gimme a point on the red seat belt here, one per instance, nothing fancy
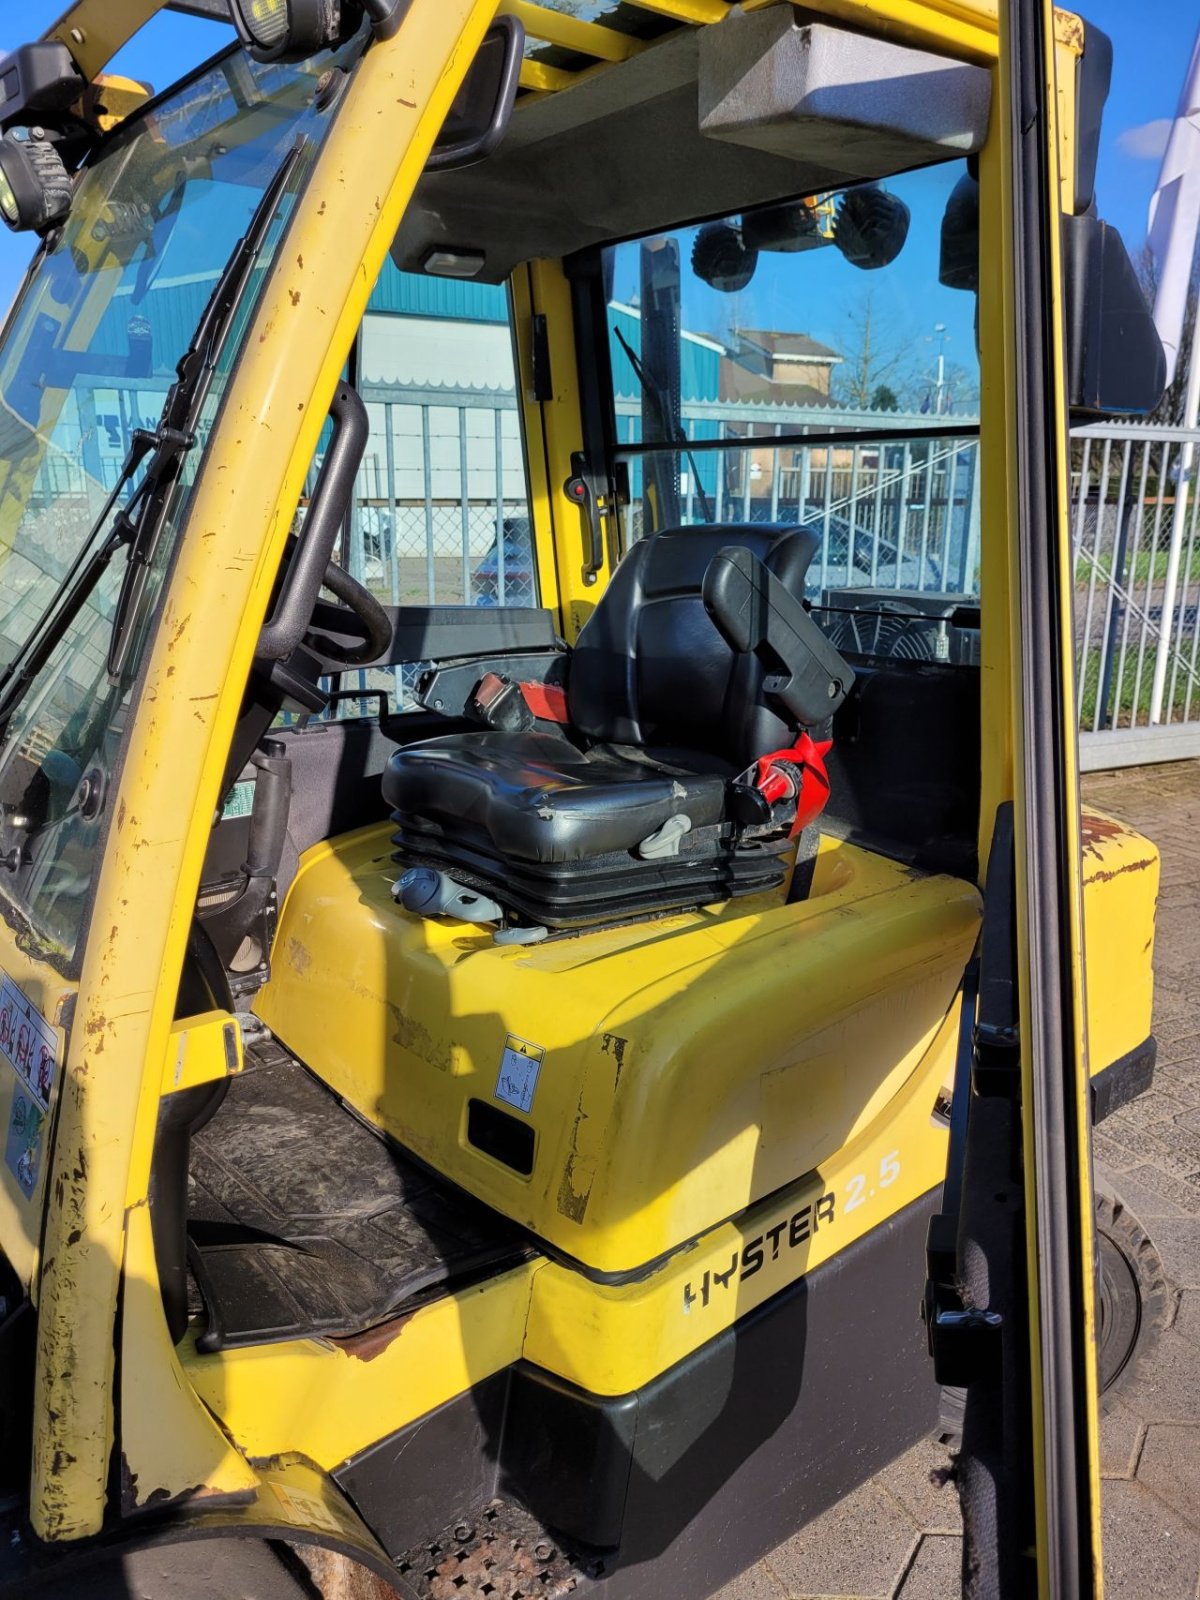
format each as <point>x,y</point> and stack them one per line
<point>795,774</point>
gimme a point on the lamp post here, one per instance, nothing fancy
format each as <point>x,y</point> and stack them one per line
<point>939,333</point>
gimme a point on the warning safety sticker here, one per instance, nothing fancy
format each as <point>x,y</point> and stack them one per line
<point>23,1146</point>
<point>519,1068</point>
<point>27,1042</point>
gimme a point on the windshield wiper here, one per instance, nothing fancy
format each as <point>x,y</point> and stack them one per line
<point>138,528</point>
<point>671,431</point>
<point>141,523</point>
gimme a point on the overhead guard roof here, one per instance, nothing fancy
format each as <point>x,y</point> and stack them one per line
<point>704,122</point>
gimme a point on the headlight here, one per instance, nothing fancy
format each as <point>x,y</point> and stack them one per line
<point>283,30</point>
<point>35,188</point>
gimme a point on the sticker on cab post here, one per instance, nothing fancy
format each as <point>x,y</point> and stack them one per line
<point>519,1068</point>
<point>28,1043</point>
<point>23,1147</point>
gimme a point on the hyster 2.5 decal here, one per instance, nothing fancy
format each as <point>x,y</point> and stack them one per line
<point>794,1228</point>
<point>791,1231</point>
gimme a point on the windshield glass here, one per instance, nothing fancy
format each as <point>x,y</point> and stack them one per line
<point>89,355</point>
<point>810,363</point>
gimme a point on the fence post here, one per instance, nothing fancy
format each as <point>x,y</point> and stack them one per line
<point>427,475</point>
<point>1116,585</point>
<point>1191,409</point>
<point>501,574</point>
<point>464,504</point>
<point>389,451</point>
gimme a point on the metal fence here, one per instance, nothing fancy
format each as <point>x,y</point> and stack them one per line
<point>894,503</point>
<point>1137,593</point>
<point>440,516</point>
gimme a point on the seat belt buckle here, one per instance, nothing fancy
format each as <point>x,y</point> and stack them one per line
<point>795,777</point>
<point>499,703</point>
<point>512,707</point>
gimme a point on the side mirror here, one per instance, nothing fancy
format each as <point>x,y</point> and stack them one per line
<point>1115,358</point>
<point>479,117</point>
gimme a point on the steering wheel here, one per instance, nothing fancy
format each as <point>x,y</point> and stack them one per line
<point>353,629</point>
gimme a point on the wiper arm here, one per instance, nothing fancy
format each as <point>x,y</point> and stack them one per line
<point>673,433</point>
<point>140,524</point>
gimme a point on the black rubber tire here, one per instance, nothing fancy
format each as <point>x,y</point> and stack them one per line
<point>1133,1305</point>
<point>225,1568</point>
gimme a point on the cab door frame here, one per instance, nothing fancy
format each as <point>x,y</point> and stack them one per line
<point>94,1244</point>
<point>1047,1373</point>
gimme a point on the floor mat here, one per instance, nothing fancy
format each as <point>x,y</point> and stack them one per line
<point>303,1220</point>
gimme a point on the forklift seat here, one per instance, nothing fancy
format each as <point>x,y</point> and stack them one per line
<point>664,714</point>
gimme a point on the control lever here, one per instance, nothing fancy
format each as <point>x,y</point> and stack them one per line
<point>581,489</point>
<point>757,616</point>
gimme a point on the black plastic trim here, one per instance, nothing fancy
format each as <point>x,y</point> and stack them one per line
<point>501,1135</point>
<point>1124,1079</point>
<point>439,633</point>
<point>688,1480</point>
<point>589,311</point>
<point>1059,1182</point>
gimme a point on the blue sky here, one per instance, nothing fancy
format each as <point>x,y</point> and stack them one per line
<point>1152,42</point>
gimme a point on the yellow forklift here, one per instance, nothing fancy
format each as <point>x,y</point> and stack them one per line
<point>516,1100</point>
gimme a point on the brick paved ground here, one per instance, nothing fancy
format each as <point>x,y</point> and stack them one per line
<point>897,1537</point>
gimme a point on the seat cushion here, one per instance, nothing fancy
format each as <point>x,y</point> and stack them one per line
<point>535,797</point>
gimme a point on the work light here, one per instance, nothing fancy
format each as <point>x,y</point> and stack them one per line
<point>9,209</point>
<point>280,30</point>
<point>291,30</point>
<point>35,188</point>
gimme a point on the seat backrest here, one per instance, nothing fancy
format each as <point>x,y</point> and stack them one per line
<point>650,667</point>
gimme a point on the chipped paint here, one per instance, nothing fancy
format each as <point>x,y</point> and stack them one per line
<point>414,1037</point>
<point>1096,829</point>
<point>1104,860</point>
<point>1068,30</point>
<point>367,1346</point>
<point>573,1199</point>
<point>613,1045</point>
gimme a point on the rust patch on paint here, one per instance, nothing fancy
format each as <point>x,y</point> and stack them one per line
<point>1068,30</point>
<point>366,1346</point>
<point>1096,830</point>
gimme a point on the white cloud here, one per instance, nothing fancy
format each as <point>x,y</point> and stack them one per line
<point>1147,141</point>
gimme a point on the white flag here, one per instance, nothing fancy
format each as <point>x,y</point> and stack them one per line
<point>1175,215</point>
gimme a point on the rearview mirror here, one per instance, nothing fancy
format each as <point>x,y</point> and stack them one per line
<point>1115,359</point>
<point>1114,356</point>
<point>479,117</point>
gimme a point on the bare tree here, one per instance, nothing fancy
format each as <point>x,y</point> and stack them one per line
<point>874,355</point>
